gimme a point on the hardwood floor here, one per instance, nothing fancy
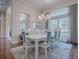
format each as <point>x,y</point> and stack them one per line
<point>5,46</point>
<point>74,52</point>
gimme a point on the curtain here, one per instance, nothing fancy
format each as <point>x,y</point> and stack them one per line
<point>73,18</point>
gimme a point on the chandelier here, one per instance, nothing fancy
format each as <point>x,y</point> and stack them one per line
<point>44,16</point>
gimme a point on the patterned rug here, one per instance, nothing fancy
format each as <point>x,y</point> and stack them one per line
<point>55,53</point>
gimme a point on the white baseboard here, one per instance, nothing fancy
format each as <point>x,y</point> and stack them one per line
<point>3,37</point>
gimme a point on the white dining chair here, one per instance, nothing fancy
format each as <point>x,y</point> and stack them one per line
<point>47,44</point>
<point>27,43</point>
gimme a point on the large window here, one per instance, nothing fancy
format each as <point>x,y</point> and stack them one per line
<point>64,25</point>
<point>60,19</point>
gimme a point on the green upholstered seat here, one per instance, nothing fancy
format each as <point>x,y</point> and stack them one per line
<point>48,38</point>
<point>23,38</point>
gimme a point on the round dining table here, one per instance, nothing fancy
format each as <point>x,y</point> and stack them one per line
<point>36,38</point>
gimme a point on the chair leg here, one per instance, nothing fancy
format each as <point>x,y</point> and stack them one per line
<point>25,53</point>
<point>46,53</point>
<point>50,49</point>
<point>25,49</point>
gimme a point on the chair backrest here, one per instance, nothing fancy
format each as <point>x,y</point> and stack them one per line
<point>25,39</point>
<point>23,36</point>
<point>48,34</point>
<point>57,34</point>
<point>48,37</point>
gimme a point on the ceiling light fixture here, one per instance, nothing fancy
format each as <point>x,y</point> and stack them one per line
<point>44,16</point>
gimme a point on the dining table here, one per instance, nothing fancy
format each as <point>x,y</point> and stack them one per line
<point>36,38</point>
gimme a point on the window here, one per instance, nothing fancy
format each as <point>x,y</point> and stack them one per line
<point>22,22</point>
<point>60,12</point>
<point>60,20</point>
<point>64,25</point>
<point>52,22</point>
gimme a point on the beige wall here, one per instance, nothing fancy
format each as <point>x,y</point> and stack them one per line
<point>8,26</point>
<point>18,7</point>
<point>2,18</point>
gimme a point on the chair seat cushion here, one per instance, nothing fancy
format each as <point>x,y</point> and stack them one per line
<point>44,45</point>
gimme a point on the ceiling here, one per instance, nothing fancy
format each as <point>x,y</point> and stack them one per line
<point>44,4</point>
<point>47,4</point>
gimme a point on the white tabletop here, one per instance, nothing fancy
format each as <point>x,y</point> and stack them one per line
<point>36,37</point>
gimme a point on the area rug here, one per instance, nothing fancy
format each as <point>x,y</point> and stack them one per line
<point>55,53</point>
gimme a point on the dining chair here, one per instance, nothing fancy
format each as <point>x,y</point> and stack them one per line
<point>47,44</point>
<point>56,35</point>
<point>55,38</point>
<point>26,43</point>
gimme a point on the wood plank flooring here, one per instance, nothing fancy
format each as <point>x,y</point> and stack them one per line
<point>5,46</point>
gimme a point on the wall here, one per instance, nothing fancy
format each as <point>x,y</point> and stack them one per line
<point>2,18</point>
<point>8,22</point>
<point>18,6</point>
<point>3,25</point>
